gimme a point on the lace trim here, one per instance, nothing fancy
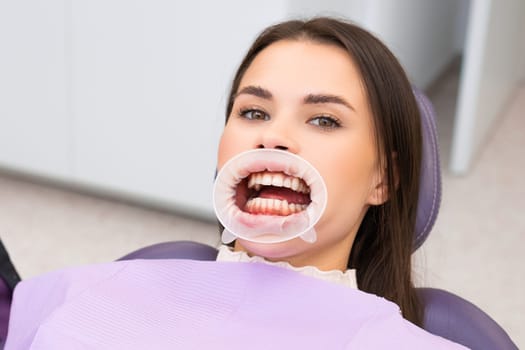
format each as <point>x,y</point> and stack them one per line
<point>347,278</point>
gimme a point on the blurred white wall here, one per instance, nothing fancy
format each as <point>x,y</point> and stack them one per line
<point>492,68</point>
<point>421,33</point>
<point>150,80</point>
<point>462,17</point>
<point>120,96</point>
<point>34,116</point>
<point>424,35</point>
<point>349,9</point>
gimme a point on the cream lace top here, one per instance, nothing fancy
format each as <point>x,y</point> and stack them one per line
<point>346,278</point>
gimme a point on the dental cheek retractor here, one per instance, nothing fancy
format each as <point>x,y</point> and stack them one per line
<point>269,196</point>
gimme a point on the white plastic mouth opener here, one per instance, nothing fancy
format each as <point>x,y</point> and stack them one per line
<point>263,228</point>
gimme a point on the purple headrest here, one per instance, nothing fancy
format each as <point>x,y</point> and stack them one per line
<point>430,180</point>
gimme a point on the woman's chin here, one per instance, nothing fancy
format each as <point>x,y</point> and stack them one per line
<point>272,251</point>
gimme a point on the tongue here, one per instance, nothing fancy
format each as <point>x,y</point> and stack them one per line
<point>282,193</point>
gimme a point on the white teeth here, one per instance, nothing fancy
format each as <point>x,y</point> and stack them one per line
<point>295,184</point>
<point>251,182</point>
<point>267,180</point>
<point>268,206</point>
<point>285,210</point>
<point>277,205</point>
<point>263,205</point>
<point>277,181</point>
<point>257,180</point>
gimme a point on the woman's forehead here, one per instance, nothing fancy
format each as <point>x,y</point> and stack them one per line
<point>303,67</point>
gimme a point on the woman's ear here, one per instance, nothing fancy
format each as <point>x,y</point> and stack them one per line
<point>379,192</point>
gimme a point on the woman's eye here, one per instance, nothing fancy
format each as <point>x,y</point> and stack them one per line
<point>325,122</point>
<point>254,114</point>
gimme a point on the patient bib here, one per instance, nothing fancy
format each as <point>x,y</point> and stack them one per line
<point>184,304</point>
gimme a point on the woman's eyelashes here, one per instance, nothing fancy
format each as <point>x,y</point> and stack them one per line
<point>325,122</point>
<point>253,114</point>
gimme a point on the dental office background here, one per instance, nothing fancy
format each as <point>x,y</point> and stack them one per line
<point>126,99</point>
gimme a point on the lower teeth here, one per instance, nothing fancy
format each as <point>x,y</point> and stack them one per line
<point>273,207</point>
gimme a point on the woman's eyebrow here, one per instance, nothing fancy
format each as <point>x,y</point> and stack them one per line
<point>255,91</point>
<point>309,99</point>
<point>325,98</point>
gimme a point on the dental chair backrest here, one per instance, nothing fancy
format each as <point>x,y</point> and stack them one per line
<point>8,280</point>
<point>445,314</point>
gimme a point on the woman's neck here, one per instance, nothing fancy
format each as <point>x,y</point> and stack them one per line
<point>332,257</point>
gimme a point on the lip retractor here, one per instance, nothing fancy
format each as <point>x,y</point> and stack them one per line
<point>231,193</point>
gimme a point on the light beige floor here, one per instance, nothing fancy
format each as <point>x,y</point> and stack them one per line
<point>475,250</point>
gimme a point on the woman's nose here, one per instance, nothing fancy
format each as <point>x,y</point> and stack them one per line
<point>278,137</point>
<point>281,147</point>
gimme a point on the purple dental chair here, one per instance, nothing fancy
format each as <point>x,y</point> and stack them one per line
<point>8,280</point>
<point>445,314</point>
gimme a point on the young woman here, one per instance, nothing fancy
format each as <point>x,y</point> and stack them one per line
<point>327,92</point>
<point>333,94</point>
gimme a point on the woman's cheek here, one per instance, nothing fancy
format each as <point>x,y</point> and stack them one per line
<point>228,147</point>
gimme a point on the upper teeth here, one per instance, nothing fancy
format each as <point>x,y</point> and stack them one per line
<point>257,180</point>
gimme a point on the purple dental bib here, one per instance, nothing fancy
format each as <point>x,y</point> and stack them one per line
<point>185,304</point>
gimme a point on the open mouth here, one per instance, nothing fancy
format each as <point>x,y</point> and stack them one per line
<point>268,196</point>
<point>272,193</point>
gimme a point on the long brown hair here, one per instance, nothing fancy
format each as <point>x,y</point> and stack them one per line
<point>382,249</point>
